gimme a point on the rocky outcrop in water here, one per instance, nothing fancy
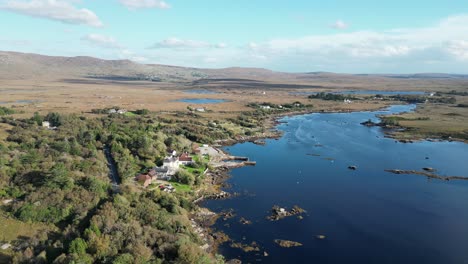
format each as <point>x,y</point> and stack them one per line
<point>245,221</point>
<point>287,243</point>
<point>427,174</point>
<point>252,247</point>
<point>278,213</point>
<point>369,123</point>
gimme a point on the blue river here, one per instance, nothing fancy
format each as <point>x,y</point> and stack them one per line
<point>367,215</point>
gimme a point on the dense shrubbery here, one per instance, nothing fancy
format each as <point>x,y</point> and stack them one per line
<point>331,96</point>
<point>60,177</point>
<point>6,111</point>
<point>389,121</point>
<point>453,92</point>
<point>413,99</point>
<point>185,177</point>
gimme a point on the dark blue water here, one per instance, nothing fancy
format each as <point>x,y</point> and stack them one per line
<point>367,215</point>
<point>202,101</point>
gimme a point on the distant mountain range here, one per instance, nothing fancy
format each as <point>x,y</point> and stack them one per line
<point>24,66</point>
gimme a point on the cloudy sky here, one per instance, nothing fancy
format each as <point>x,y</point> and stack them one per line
<point>360,36</point>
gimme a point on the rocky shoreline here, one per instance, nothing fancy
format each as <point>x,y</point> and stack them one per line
<point>221,174</point>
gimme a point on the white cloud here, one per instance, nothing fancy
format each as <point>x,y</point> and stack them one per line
<point>102,41</point>
<point>252,45</point>
<point>210,60</point>
<point>221,45</point>
<point>135,4</point>
<point>459,49</point>
<point>339,24</point>
<point>185,44</point>
<point>130,55</point>
<point>175,43</point>
<point>63,11</point>
<point>440,47</point>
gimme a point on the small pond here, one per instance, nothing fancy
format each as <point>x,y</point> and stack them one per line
<point>19,102</point>
<point>198,91</point>
<point>202,101</point>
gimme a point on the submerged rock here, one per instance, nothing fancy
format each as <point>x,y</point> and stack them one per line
<point>369,123</point>
<point>287,243</point>
<point>245,221</point>
<point>228,215</point>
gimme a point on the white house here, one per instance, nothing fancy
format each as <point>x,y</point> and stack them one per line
<point>172,164</point>
<point>46,124</point>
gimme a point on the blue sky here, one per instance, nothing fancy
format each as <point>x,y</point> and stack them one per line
<point>296,36</point>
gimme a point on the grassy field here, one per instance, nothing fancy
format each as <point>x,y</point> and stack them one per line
<point>181,187</point>
<point>130,114</point>
<point>12,230</point>
<point>436,121</point>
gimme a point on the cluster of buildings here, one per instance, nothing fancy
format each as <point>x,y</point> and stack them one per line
<point>171,165</point>
<point>117,111</point>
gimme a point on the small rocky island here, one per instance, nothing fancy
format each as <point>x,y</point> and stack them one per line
<point>287,243</point>
<point>427,173</point>
<point>278,213</point>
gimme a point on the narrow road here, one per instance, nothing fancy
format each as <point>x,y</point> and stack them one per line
<point>113,173</point>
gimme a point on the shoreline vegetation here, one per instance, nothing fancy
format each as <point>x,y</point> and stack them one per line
<point>54,172</point>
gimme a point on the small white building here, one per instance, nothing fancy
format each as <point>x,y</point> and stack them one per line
<point>265,107</point>
<point>46,124</point>
<point>347,101</point>
<point>172,165</point>
<point>200,109</point>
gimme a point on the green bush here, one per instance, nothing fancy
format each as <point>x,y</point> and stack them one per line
<point>185,177</point>
<point>78,246</point>
<point>6,111</point>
